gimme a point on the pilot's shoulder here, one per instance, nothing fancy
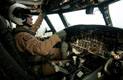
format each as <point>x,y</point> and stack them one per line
<point>26,36</point>
<point>22,36</point>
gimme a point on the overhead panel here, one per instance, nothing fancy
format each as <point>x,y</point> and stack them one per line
<point>33,5</point>
<point>54,6</point>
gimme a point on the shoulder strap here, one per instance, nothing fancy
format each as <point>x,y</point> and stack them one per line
<point>17,30</point>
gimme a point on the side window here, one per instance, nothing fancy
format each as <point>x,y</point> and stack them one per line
<point>56,21</point>
<point>116,13</point>
<point>44,28</point>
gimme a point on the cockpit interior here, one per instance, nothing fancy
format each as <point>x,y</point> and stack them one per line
<point>97,49</point>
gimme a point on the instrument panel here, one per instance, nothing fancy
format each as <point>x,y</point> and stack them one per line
<point>99,40</point>
<point>93,46</point>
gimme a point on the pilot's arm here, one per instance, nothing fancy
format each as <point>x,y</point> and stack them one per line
<point>37,23</point>
<point>27,43</point>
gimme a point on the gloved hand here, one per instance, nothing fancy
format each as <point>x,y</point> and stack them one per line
<point>64,50</point>
<point>62,34</point>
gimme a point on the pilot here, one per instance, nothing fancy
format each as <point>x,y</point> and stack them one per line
<point>34,51</point>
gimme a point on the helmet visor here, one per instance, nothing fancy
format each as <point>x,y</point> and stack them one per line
<point>21,12</point>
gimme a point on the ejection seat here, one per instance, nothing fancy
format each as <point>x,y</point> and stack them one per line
<point>12,66</point>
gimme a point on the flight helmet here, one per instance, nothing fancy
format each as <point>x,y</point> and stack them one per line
<point>18,13</point>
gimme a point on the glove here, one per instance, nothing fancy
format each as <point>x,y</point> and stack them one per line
<point>64,50</point>
<point>61,34</point>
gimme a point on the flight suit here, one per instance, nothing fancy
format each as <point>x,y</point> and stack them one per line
<point>27,43</point>
<point>34,49</point>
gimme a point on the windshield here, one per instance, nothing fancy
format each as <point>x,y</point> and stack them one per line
<point>80,17</point>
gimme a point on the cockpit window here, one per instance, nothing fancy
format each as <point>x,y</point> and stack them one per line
<point>80,17</point>
<point>75,18</point>
<point>44,29</point>
<point>116,13</point>
<point>56,21</point>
